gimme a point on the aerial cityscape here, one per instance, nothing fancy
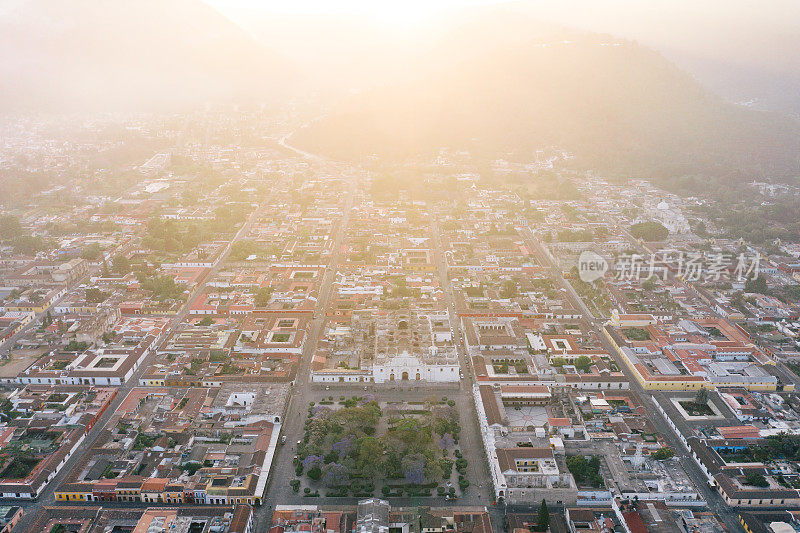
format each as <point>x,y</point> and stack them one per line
<point>242,315</point>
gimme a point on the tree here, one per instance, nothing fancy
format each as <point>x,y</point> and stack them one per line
<point>446,442</point>
<point>756,479</point>
<point>243,249</point>
<point>701,398</point>
<point>370,455</point>
<point>583,363</point>
<point>343,447</point>
<point>636,334</point>
<point>445,420</point>
<point>121,265</point>
<point>10,227</point>
<point>508,289</point>
<point>355,418</point>
<point>263,296</point>
<point>75,346</point>
<point>334,474</point>
<point>7,408</point>
<point>162,287</point>
<point>312,461</point>
<point>31,244</point>
<point>649,231</point>
<point>662,453</point>
<point>433,467</point>
<point>315,473</point>
<point>760,453</point>
<point>543,517</point>
<point>585,471</point>
<point>331,457</point>
<point>758,285</point>
<point>414,468</point>
<point>95,295</point>
<point>93,252</point>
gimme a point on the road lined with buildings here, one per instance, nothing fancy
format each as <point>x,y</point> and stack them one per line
<point>46,497</point>
<point>300,393</point>
<point>712,497</point>
<point>471,441</point>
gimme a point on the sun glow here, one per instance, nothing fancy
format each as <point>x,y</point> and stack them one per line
<point>391,12</point>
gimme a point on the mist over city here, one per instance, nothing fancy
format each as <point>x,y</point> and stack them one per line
<point>443,266</point>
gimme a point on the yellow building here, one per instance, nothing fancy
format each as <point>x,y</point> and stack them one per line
<point>74,492</point>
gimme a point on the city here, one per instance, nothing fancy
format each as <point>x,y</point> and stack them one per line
<point>314,336</point>
<point>247,316</point>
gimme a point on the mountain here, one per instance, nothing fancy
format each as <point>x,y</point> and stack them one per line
<point>492,87</point>
<point>130,54</point>
<point>737,48</point>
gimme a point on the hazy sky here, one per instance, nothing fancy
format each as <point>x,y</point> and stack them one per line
<point>745,31</point>
<point>732,45</point>
<point>636,17</point>
<point>390,11</point>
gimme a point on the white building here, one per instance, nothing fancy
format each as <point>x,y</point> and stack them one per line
<point>406,367</point>
<point>671,218</point>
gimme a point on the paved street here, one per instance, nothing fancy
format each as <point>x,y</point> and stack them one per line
<point>450,252</point>
<point>278,488</point>
<point>302,391</point>
<point>544,257</point>
<point>715,501</point>
<point>472,442</point>
<point>46,498</point>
